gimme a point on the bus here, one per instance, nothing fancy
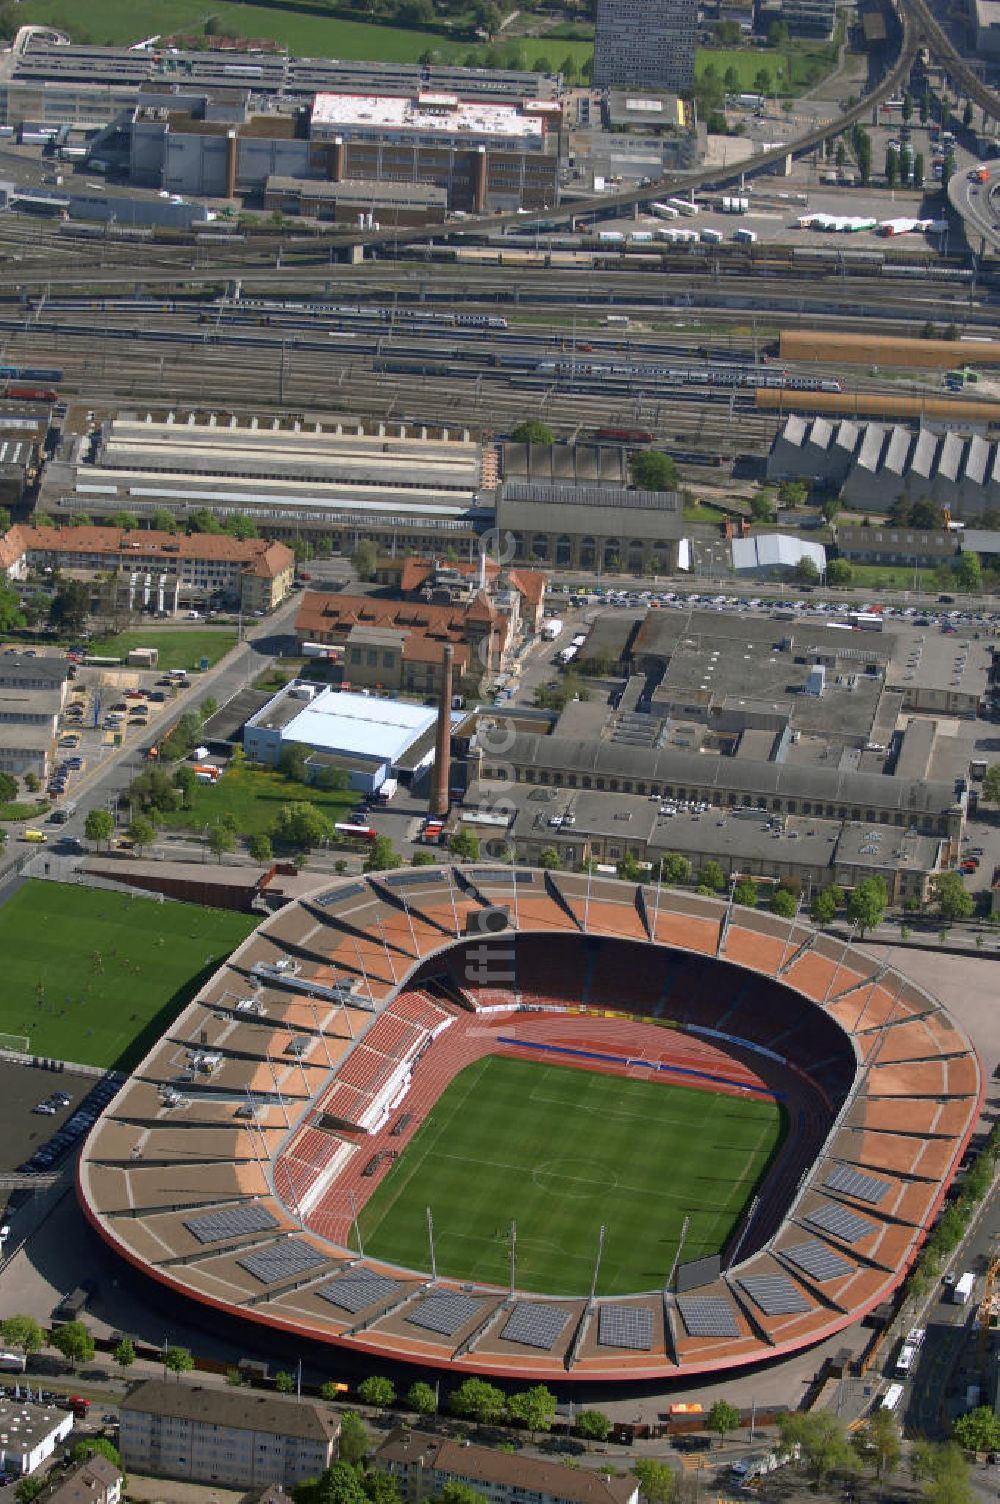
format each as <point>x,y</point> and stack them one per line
<point>892,1397</point>
<point>907,1358</point>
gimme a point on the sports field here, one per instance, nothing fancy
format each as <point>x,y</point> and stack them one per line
<point>561,1151</point>
<point>95,977</point>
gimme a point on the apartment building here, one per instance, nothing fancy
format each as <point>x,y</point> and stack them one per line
<point>236,1438</point>
<point>423,1464</point>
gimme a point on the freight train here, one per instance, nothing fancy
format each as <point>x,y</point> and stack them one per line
<point>30,373</point>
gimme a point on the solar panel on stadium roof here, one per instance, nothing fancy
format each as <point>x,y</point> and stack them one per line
<point>707,1316</point>
<point>501,877</point>
<point>818,1260</point>
<point>535,1324</point>
<point>445,1313</point>
<point>411,879</point>
<point>359,1289</point>
<point>353,890</point>
<point>775,1294</point>
<point>626,1326</point>
<point>853,1183</point>
<point>845,1225</point>
<point>281,1261</point>
<point>231,1223</point>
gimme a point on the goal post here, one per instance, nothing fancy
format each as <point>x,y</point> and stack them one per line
<point>15,1044</point>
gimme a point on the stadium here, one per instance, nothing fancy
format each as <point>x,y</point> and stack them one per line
<point>536,1125</point>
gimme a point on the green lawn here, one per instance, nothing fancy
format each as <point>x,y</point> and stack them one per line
<point>789,69</point>
<point>96,977</point>
<point>306,31</point>
<point>560,1151</point>
<point>254,797</point>
<point>894,577</point>
<point>179,648</point>
<point>703,511</point>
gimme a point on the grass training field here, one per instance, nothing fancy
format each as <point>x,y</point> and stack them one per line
<point>790,70</point>
<point>305,31</point>
<point>95,977</point>
<point>560,1151</point>
<point>254,797</point>
<point>178,648</point>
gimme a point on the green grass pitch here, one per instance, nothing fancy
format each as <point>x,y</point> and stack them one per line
<point>561,1151</point>
<point>95,977</point>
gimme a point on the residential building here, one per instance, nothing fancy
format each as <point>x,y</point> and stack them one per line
<point>94,1481</point>
<point>488,630</point>
<point>29,1434</point>
<point>645,44</point>
<point>383,659</point>
<point>439,581</point>
<point>422,1464</point>
<point>237,1438</point>
<point>32,694</point>
<point>158,572</point>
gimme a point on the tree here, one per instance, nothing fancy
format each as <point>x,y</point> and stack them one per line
<point>878,1444</point>
<point>74,1342</point>
<point>745,893</point>
<point>723,1418</point>
<point>863,153</point>
<point>907,107</point>
<point>260,847</point>
<point>953,899</point>
<point>8,788</point>
<point>422,859</point>
<point>823,909</point>
<point>124,1353</point>
<point>991,784</point>
<point>70,607</point>
<point>478,1400</point>
<point>948,169</point>
<point>806,571</point>
<point>377,1391</point>
<point>532,431</point>
<point>840,155</point>
<point>293,759</point>
<point>823,1439</point>
<point>341,1484</point>
<point>762,81</point>
<point>301,826</point>
<point>127,521</point>
<point>96,1446</point>
<point>284,1382</point>
<point>380,1488</point>
<point>533,1408</point>
<point>488,17</point>
<point>762,505</point>
<point>628,868</point>
<point>354,1441</point>
<point>141,832</point>
<point>978,1431</point>
<point>421,1398</point>
<point>712,876</point>
<point>221,841</point>
<point>943,1471</point>
<point>203,521</point>
<point>334,780</point>
<point>593,1425</point>
<point>208,707</point>
<point>675,869</point>
<point>653,471</point>
<point>464,845</point>
<point>178,1360</point>
<point>12,616</point>
<point>382,856</point>
<point>793,493</point>
<point>23,1333</point>
<point>777,34</point>
<point>919,170</point>
<point>365,559</point>
<point>549,859</point>
<point>967,114</point>
<point>185,782</point>
<point>968,572</point>
<point>867,903</point>
<point>731,79</point>
<point>839,572</point>
<point>4,519</point>
<point>925,106</point>
<point>241,526</point>
<point>454,1492</point>
<point>656,1480</point>
<point>28,1489</point>
<point>891,166</point>
<point>783,904</point>
<point>925,513</point>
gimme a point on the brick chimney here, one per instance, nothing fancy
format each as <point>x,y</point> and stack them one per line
<point>442,752</point>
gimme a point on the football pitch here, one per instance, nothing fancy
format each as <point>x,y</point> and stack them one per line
<point>560,1152</point>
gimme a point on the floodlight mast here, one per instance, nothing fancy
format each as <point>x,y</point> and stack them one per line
<point>430,1239</point>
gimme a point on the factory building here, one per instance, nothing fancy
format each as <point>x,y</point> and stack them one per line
<point>370,737</point>
<point>873,464</point>
<point>775,556</point>
<point>610,528</point>
<point>645,44</point>
<point>479,153</point>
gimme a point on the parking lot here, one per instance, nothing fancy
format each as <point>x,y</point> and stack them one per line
<point>26,1132</point>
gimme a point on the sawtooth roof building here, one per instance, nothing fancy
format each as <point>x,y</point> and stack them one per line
<point>873,464</point>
